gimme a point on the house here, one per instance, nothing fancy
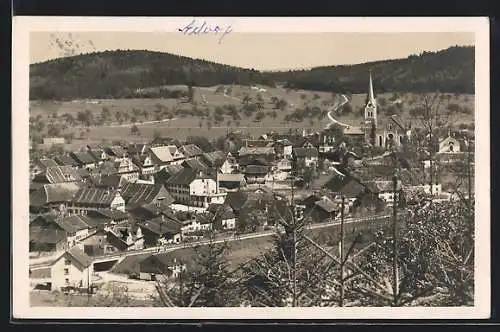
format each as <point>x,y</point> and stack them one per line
<point>256,173</point>
<point>165,265</point>
<point>266,153</point>
<point>284,165</point>
<point>103,181</point>
<point>305,157</point>
<point>96,198</point>
<point>144,194</point>
<point>126,168</point>
<point>47,240</point>
<point>145,164</point>
<point>195,164</point>
<point>324,210</point>
<point>355,135</point>
<point>449,145</point>
<point>65,160</point>
<point>150,211</point>
<point>194,188</point>
<point>191,151</point>
<point>166,173</point>
<point>166,155</point>
<point>283,148</point>
<point>98,154</point>
<point>384,189</point>
<point>58,174</point>
<point>71,228</point>
<point>223,215</point>
<point>107,217</point>
<point>214,159</point>
<point>163,229</point>
<point>125,238</point>
<point>53,197</point>
<point>137,149</point>
<point>73,268</point>
<point>97,244</point>
<point>230,165</point>
<point>116,152</point>
<point>231,182</point>
<point>84,159</point>
<point>357,194</point>
<point>44,163</point>
<point>48,141</point>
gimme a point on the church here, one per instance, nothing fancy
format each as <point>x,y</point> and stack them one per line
<point>377,133</point>
<point>385,133</point>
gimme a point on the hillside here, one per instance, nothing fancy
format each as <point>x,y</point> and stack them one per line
<point>118,74</point>
<point>450,70</point>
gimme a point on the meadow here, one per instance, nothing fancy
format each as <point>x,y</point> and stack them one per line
<point>151,120</point>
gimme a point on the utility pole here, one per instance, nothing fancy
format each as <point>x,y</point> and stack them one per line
<point>342,290</point>
<point>395,238</point>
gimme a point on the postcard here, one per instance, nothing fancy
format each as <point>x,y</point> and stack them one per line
<point>213,168</point>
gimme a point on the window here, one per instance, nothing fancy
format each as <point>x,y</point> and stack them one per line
<point>66,271</point>
<point>67,261</point>
<point>66,281</point>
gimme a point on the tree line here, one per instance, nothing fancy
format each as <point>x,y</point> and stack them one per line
<point>120,74</point>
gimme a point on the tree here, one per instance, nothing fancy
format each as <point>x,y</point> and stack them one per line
<point>260,115</point>
<point>201,141</point>
<point>134,130</point>
<point>289,274</point>
<point>207,282</point>
<point>190,93</point>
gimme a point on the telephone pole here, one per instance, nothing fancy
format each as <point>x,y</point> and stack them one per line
<point>342,235</point>
<point>395,238</point>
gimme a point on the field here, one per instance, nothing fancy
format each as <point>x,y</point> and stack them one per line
<point>183,125</point>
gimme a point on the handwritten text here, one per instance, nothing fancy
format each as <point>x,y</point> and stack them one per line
<point>203,28</point>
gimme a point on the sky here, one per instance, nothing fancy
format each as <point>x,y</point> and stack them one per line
<point>262,51</point>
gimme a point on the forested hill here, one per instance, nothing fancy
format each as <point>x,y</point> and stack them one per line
<point>450,70</point>
<point>119,74</point>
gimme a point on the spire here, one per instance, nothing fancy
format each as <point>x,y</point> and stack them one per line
<point>371,96</point>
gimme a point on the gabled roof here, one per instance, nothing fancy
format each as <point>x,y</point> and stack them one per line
<point>186,176</point>
<point>116,151</point>
<point>96,153</point>
<point>214,159</point>
<point>142,193</point>
<point>191,150</point>
<point>107,214</point>
<point>353,130</point>
<point>236,200</point>
<point>256,169</point>
<point>107,181</point>
<point>256,151</point>
<point>167,172</point>
<point>65,160</point>
<point>326,205</point>
<point>83,158</point>
<point>60,174</point>
<point>346,185</point>
<point>162,226</point>
<point>305,152</point>
<point>50,236</point>
<point>74,223</point>
<point>47,162</point>
<point>162,153</point>
<point>54,193</point>
<point>94,196</point>
<point>79,256</point>
<point>194,164</point>
<point>231,177</point>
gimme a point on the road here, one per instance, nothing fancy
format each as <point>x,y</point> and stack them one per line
<point>169,248</point>
<point>330,113</point>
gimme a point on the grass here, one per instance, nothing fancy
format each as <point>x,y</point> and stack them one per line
<point>180,128</point>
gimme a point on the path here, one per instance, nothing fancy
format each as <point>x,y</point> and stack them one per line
<point>231,238</point>
<point>335,108</point>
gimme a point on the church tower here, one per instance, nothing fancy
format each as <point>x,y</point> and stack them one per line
<point>370,106</point>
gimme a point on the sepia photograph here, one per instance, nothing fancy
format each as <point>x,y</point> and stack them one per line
<point>208,168</point>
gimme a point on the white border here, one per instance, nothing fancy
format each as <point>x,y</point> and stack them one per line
<point>22,26</point>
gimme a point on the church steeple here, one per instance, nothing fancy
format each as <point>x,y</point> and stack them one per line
<point>371,104</point>
<point>371,95</point>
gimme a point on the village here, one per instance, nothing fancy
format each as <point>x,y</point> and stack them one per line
<point>92,208</point>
